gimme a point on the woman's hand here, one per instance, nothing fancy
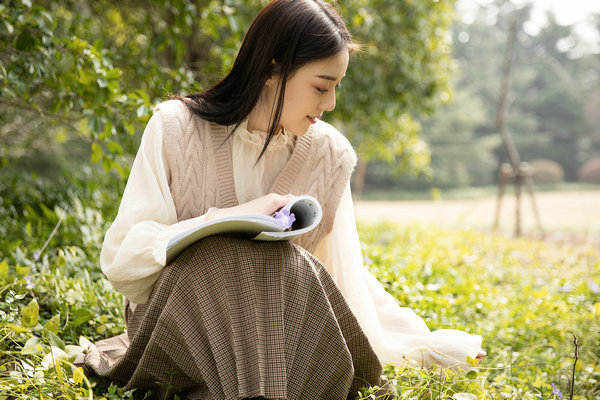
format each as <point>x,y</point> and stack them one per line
<point>480,356</point>
<point>268,205</point>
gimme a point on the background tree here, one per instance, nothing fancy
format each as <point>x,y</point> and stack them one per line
<point>550,84</point>
<point>402,74</point>
<point>86,73</point>
<point>89,71</point>
<point>550,104</point>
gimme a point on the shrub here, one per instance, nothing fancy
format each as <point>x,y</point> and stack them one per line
<point>590,171</point>
<point>547,171</point>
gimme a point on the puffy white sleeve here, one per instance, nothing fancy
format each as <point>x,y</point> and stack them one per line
<point>398,335</point>
<point>134,249</point>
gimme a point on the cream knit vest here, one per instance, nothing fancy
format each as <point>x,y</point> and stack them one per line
<point>199,170</point>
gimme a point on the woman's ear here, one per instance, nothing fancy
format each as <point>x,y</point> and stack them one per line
<point>273,81</point>
<point>270,81</point>
<point>275,69</point>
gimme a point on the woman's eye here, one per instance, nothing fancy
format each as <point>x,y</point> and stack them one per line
<point>321,90</point>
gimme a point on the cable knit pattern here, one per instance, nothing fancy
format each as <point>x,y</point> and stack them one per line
<point>321,166</point>
<point>199,169</point>
<point>188,153</point>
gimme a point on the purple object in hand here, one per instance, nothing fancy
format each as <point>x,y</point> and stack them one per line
<point>284,218</point>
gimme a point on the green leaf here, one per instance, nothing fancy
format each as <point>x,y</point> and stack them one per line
<point>472,375</point>
<point>77,45</point>
<point>114,147</point>
<point>58,369</point>
<point>32,346</point>
<point>96,152</point>
<point>30,314</point>
<point>61,260</point>
<point>53,324</point>
<point>84,77</point>
<point>22,271</point>
<point>113,87</point>
<point>25,41</point>
<point>81,316</point>
<point>114,73</point>
<point>108,131</point>
<point>122,172</point>
<point>18,329</point>
<point>55,340</point>
<point>107,164</point>
<point>129,127</point>
<point>78,376</point>
<point>3,269</point>
<point>143,95</point>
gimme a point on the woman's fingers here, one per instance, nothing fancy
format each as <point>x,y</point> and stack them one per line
<point>480,356</point>
<point>267,205</point>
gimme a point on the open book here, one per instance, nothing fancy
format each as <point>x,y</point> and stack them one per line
<point>306,209</point>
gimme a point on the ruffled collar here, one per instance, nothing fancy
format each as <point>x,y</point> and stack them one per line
<point>257,138</point>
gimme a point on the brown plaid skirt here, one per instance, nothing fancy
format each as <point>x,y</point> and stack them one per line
<point>231,319</point>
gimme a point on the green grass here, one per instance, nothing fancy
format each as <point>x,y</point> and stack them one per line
<point>528,299</point>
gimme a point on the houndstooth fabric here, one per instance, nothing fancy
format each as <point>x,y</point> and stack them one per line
<point>231,319</point>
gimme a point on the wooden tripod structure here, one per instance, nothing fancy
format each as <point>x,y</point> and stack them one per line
<point>520,172</point>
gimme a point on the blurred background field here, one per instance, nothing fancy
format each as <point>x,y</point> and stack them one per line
<point>565,215</point>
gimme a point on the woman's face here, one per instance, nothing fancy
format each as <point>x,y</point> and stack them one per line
<point>309,92</point>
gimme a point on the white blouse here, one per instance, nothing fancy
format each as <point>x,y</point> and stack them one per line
<point>134,249</point>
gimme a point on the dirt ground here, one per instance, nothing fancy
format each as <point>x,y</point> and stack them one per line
<point>563,214</point>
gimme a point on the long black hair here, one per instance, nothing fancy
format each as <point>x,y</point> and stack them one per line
<point>289,32</point>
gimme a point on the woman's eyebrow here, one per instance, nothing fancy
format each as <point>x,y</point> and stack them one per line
<point>327,77</point>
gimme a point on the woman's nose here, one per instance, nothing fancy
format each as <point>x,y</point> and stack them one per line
<point>328,103</point>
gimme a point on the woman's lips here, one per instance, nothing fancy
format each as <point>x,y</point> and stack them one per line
<point>313,120</point>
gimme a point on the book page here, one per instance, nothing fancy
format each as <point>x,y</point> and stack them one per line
<point>306,209</point>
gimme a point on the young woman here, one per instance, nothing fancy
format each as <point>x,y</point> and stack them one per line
<point>231,318</point>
